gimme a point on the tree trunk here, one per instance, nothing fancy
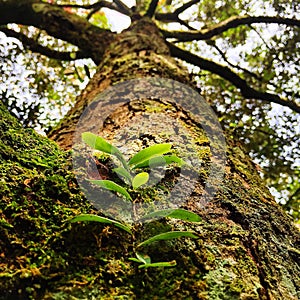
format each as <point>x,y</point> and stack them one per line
<point>247,248</point>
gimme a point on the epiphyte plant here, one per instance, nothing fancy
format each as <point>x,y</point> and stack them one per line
<point>155,155</point>
<point>143,259</point>
<point>152,156</point>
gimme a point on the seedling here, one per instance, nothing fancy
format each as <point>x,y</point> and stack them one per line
<point>155,155</point>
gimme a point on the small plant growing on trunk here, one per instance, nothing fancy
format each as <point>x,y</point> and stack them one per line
<point>155,155</point>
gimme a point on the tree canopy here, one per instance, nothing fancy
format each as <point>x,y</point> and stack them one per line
<point>242,55</point>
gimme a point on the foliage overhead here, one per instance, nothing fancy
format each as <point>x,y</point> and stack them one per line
<point>242,55</point>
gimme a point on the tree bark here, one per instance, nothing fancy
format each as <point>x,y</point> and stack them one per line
<point>248,247</point>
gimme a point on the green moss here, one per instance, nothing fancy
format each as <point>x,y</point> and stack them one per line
<point>38,194</point>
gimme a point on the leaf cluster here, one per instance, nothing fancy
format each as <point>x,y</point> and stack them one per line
<point>154,155</point>
<point>139,160</point>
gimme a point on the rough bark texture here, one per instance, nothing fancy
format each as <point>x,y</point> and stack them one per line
<point>247,246</point>
<point>138,52</point>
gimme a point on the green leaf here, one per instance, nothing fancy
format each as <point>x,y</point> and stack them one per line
<point>155,161</point>
<point>112,186</point>
<point>174,159</point>
<point>140,179</point>
<point>98,143</point>
<point>123,173</point>
<point>134,259</point>
<point>150,152</point>
<point>73,55</point>
<point>145,259</point>
<point>168,236</point>
<point>160,160</point>
<point>159,264</point>
<point>95,218</point>
<point>179,213</point>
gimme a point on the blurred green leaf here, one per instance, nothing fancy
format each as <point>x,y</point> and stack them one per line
<point>160,160</point>
<point>140,179</point>
<point>168,236</point>
<point>149,152</point>
<point>95,218</point>
<point>98,143</point>
<point>112,186</point>
<point>122,172</point>
<point>159,264</point>
<point>179,213</point>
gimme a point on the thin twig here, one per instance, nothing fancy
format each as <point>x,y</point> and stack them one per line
<point>152,8</point>
<point>232,22</point>
<point>34,46</point>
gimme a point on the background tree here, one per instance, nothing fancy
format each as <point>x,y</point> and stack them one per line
<point>241,77</point>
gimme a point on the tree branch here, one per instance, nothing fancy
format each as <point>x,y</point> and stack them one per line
<point>174,16</point>
<point>260,36</point>
<point>254,75</point>
<point>213,44</point>
<point>151,9</point>
<point>231,22</point>
<point>117,5</point>
<point>123,8</point>
<point>34,46</point>
<point>232,77</point>
<point>185,23</point>
<point>185,6</point>
<point>58,23</point>
<point>96,5</point>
